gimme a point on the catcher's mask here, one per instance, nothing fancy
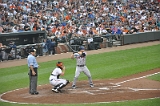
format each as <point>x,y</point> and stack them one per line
<point>59,64</point>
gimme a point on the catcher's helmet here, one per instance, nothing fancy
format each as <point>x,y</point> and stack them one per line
<point>59,64</point>
<point>81,48</point>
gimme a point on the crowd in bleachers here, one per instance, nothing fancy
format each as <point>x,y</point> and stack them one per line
<point>80,18</point>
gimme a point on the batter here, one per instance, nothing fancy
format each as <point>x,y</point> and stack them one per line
<point>81,66</point>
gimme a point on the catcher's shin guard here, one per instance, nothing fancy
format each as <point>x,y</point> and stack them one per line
<point>59,86</point>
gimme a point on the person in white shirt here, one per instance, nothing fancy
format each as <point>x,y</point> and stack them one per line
<point>80,33</point>
<point>54,79</point>
<point>15,29</point>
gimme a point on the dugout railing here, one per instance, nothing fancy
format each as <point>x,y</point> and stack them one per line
<point>108,40</point>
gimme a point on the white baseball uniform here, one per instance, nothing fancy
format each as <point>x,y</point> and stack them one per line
<point>54,77</point>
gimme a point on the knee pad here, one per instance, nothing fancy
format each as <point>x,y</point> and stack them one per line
<point>58,85</point>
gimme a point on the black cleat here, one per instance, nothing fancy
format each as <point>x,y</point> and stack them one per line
<point>91,85</point>
<point>35,93</point>
<point>73,86</point>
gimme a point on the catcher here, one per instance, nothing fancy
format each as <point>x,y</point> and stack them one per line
<point>54,79</point>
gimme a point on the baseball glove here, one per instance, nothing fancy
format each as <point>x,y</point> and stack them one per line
<point>76,55</point>
<point>83,54</point>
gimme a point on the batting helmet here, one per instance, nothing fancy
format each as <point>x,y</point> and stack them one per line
<point>81,48</point>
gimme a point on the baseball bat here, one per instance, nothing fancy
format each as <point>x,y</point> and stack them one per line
<point>74,51</point>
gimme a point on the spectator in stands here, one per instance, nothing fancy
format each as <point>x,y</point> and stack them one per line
<point>21,29</point>
<point>125,30</point>
<point>52,48</point>
<point>96,14</point>
<point>1,54</point>
<point>49,46</point>
<point>1,59</point>
<point>12,53</point>
<point>1,29</point>
<point>158,23</point>
<point>15,28</point>
<point>12,44</point>
<point>58,33</point>
<point>26,27</point>
<point>44,47</point>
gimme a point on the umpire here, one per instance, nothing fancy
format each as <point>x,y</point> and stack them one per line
<point>33,72</point>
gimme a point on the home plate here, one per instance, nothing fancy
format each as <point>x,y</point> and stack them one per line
<point>104,88</point>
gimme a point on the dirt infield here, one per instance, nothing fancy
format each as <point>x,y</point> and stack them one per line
<point>127,88</point>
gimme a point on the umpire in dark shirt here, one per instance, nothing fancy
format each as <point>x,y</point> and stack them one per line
<point>33,72</point>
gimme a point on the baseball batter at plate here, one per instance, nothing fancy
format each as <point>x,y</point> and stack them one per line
<point>54,79</point>
<point>81,66</point>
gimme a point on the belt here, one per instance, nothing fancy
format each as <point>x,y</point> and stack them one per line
<point>80,65</point>
<point>53,75</point>
<point>34,67</point>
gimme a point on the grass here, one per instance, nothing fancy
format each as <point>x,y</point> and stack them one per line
<point>149,102</point>
<point>155,77</point>
<point>108,65</point>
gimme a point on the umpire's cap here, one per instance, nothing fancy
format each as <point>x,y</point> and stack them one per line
<point>32,50</point>
<point>81,48</point>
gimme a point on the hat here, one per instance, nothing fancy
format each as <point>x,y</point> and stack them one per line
<point>59,64</point>
<point>33,50</point>
<point>81,48</point>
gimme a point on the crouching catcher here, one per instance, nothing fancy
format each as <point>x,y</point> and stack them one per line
<point>54,79</point>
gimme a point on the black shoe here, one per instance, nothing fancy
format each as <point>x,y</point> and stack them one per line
<point>35,93</point>
<point>91,85</point>
<point>73,86</point>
